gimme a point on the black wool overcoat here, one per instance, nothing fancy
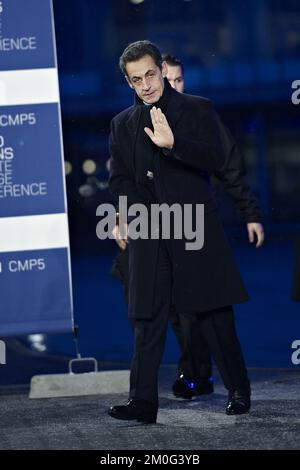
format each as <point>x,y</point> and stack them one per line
<point>203,279</point>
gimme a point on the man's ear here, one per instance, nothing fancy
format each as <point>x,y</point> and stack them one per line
<point>164,69</point>
<point>128,81</point>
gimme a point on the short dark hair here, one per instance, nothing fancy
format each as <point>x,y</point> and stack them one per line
<point>136,51</point>
<point>173,61</point>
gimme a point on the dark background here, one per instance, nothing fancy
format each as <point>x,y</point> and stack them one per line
<point>242,55</point>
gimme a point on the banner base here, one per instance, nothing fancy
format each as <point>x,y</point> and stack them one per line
<point>88,383</point>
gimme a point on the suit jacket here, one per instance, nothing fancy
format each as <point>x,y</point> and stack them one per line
<point>204,279</point>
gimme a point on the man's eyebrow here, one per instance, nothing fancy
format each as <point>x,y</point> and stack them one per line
<point>150,70</point>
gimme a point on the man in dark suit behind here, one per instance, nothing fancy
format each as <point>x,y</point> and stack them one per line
<point>194,365</point>
<point>163,150</point>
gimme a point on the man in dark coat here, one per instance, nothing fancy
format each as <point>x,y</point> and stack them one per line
<point>194,364</point>
<point>163,150</point>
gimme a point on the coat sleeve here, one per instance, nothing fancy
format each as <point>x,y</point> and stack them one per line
<point>120,181</point>
<point>232,177</point>
<point>199,146</point>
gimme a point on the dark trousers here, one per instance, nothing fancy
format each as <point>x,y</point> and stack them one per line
<point>195,362</point>
<point>150,335</point>
<point>216,327</point>
<point>198,347</point>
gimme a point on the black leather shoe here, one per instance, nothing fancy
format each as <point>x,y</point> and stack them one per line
<point>187,389</point>
<point>238,402</point>
<point>141,410</point>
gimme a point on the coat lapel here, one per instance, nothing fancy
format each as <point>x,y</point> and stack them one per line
<point>175,108</point>
<point>132,126</point>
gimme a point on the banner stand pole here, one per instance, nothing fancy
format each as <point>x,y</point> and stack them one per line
<point>74,383</point>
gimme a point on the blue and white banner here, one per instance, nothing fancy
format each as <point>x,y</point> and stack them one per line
<point>35,272</point>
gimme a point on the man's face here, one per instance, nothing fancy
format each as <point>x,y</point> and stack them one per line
<point>146,78</point>
<point>175,77</point>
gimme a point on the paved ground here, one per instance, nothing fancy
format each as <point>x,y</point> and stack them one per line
<point>82,422</point>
